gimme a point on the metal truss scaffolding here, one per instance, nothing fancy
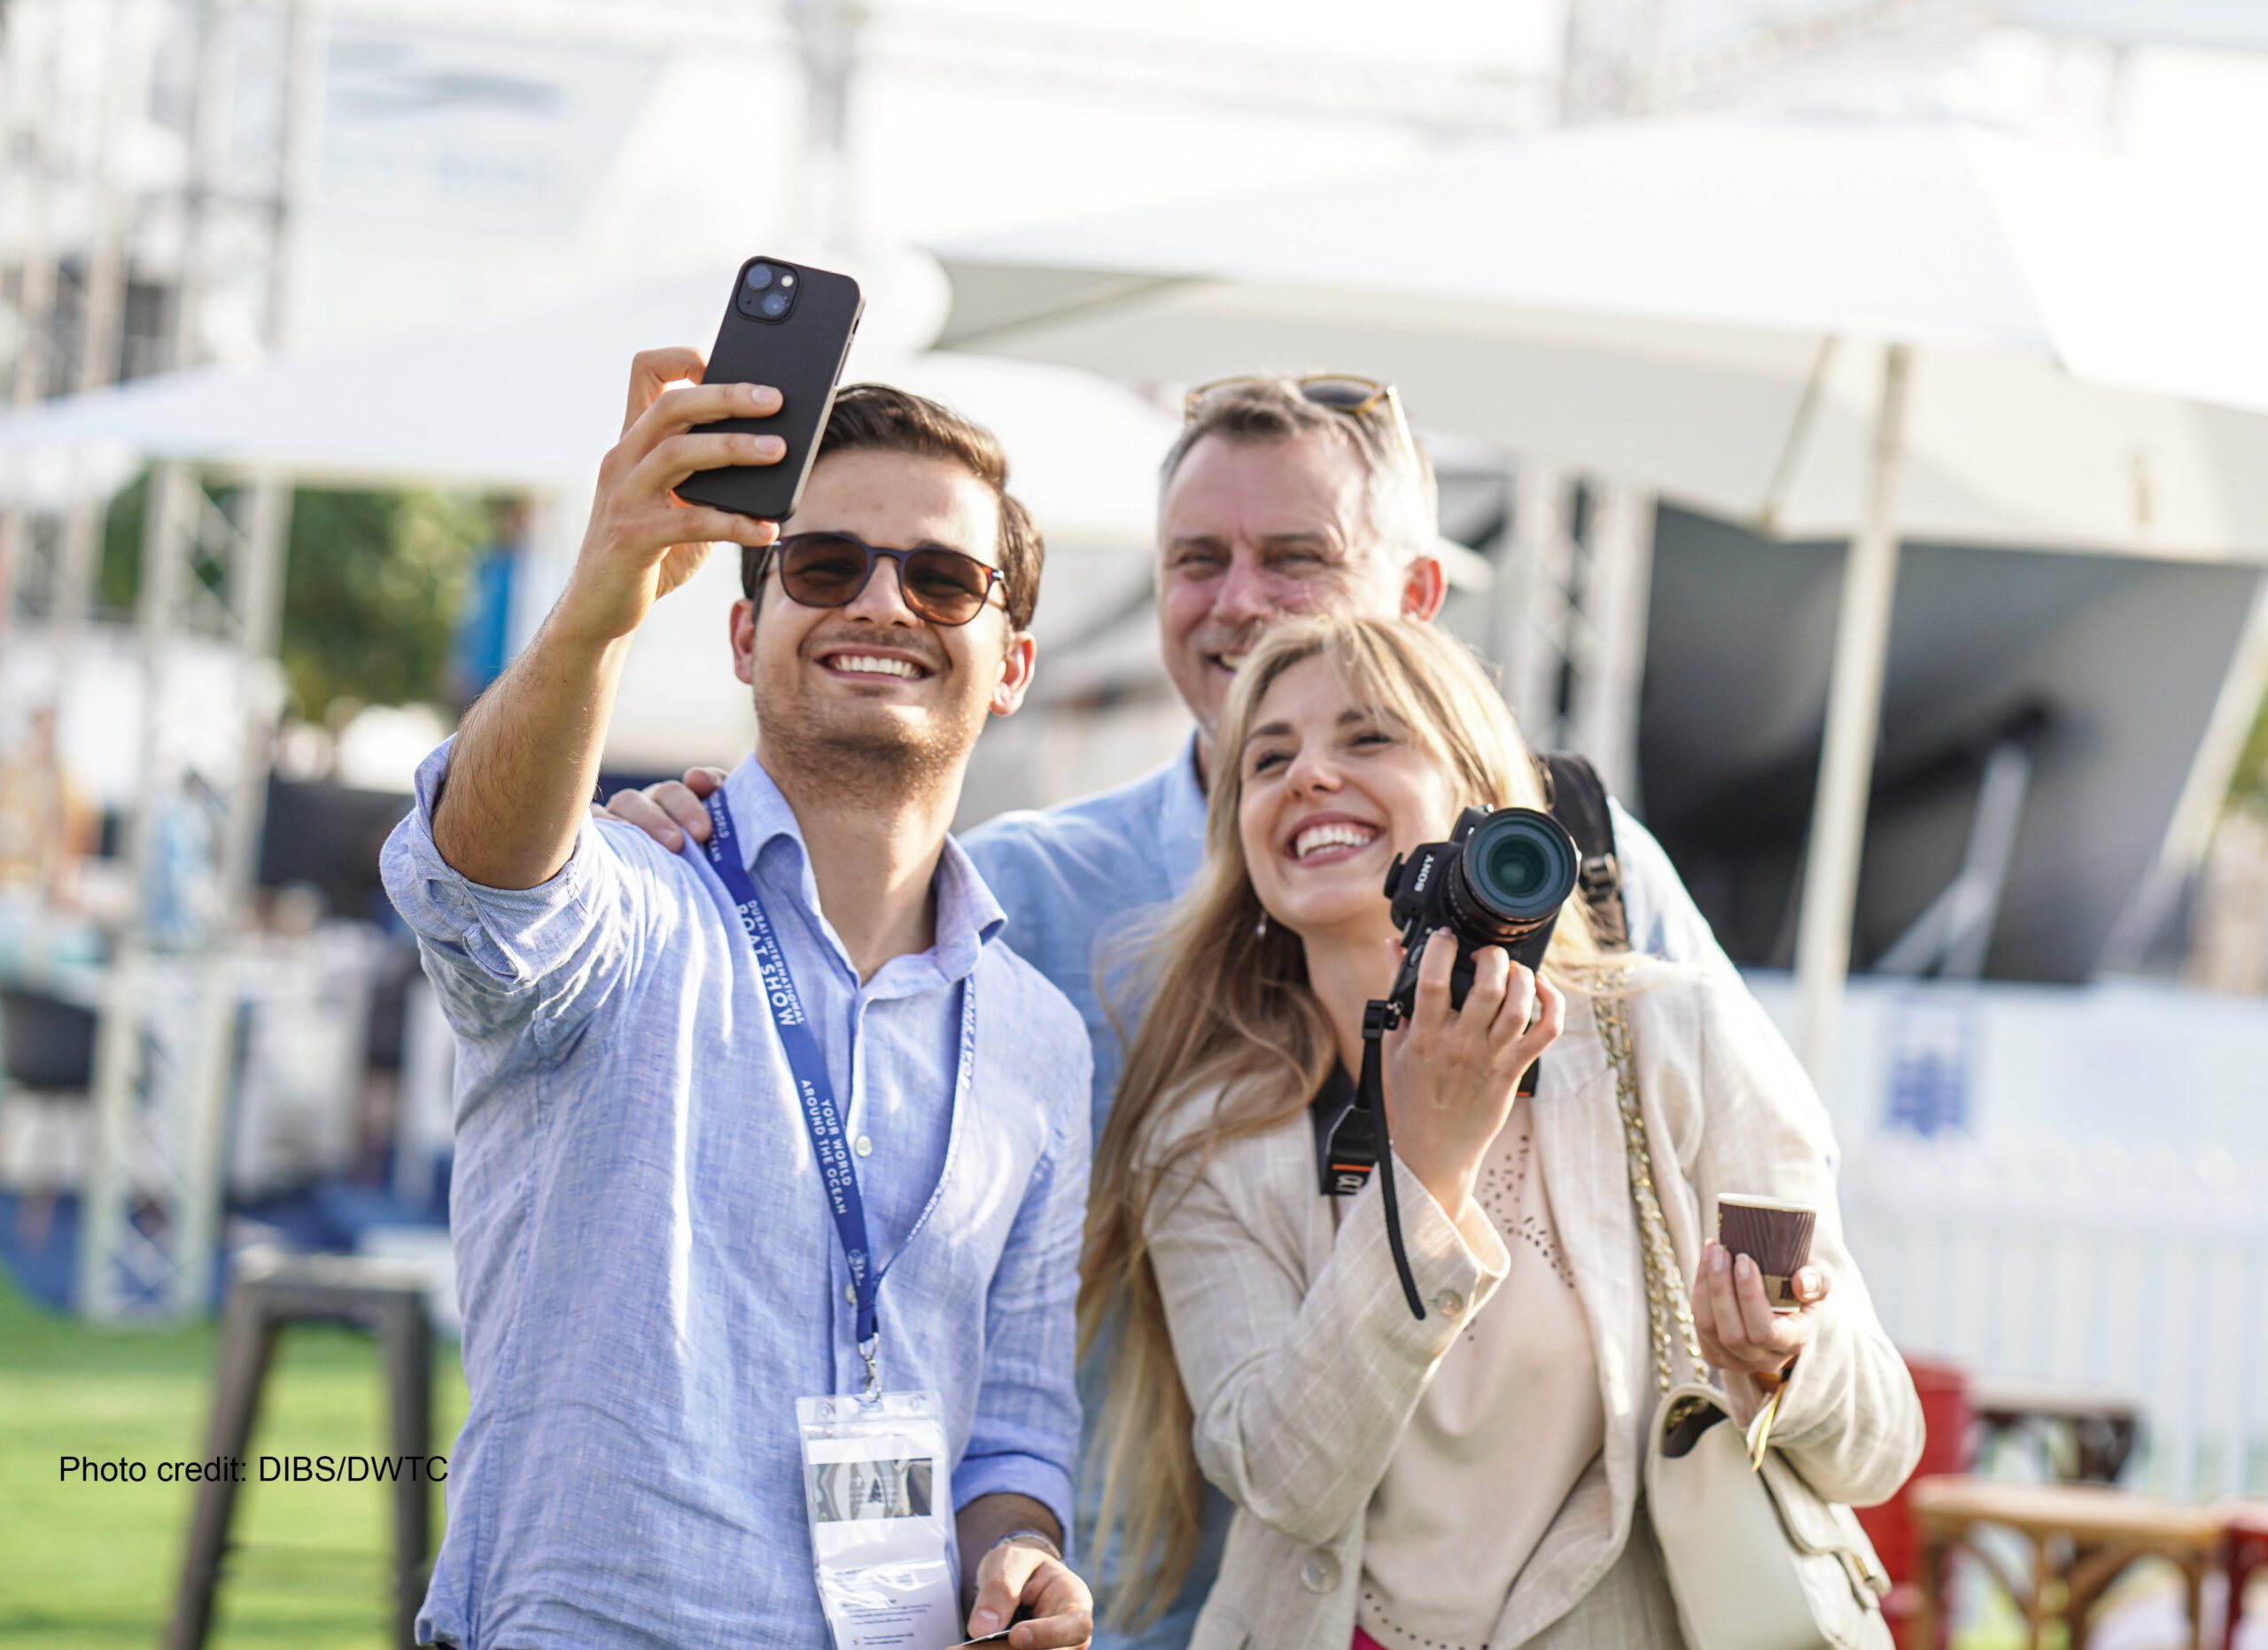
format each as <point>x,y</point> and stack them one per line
<point>164,1062</point>
<point>233,81</point>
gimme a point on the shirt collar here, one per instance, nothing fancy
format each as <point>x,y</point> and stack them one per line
<point>969,917</point>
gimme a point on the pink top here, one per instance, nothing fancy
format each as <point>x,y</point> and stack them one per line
<point>1505,1427</point>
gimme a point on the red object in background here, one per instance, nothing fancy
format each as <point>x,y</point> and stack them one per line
<point>1948,1427</point>
<point>2248,1558</point>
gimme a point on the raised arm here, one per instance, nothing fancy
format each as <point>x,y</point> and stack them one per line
<point>524,763</point>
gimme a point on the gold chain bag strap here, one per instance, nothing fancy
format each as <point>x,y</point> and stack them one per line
<point>1755,1560</point>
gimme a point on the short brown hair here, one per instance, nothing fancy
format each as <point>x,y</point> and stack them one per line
<point>882,419</point>
<point>1399,488</point>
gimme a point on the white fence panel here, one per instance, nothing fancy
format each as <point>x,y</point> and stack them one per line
<point>2141,1275</point>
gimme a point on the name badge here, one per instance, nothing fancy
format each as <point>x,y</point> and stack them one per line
<point>878,1488</point>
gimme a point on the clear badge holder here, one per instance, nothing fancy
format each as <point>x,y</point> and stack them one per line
<point>878,1487</point>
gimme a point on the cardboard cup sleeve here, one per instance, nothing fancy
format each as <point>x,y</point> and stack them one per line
<point>1776,1235</point>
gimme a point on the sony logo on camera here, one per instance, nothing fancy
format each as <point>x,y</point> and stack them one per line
<point>1424,871</point>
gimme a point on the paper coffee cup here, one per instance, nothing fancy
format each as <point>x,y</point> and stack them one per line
<point>1777,1235</point>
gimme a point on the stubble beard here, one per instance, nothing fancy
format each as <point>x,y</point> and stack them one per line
<point>860,751</point>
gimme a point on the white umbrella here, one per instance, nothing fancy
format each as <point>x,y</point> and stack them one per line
<point>1816,324</point>
<point>530,401</point>
<point>534,399</point>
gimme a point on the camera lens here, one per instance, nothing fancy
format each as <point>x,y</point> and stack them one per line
<point>1519,865</point>
<point>775,304</point>
<point>758,276</point>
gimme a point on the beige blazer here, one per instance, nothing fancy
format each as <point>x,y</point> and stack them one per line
<point>1303,1363</point>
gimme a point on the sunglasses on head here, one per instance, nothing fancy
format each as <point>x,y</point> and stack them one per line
<point>829,570</point>
<point>1338,391</point>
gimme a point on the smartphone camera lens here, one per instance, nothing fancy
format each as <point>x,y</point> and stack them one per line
<point>774,305</point>
<point>758,276</point>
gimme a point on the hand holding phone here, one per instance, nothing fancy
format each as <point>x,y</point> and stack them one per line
<point>789,326</point>
<point>643,539</point>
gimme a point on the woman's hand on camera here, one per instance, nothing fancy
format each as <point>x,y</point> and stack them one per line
<point>643,541</point>
<point>1738,1330</point>
<point>1452,1074</point>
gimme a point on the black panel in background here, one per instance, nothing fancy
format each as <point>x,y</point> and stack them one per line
<point>328,837</point>
<point>2109,666</point>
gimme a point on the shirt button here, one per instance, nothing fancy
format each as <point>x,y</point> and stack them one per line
<point>1449,1302</point>
<point>1320,1572</point>
<point>863,1147</point>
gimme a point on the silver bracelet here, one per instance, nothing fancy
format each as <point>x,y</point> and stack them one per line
<point>1030,1534</point>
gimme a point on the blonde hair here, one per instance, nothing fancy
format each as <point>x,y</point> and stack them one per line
<point>1231,1014</point>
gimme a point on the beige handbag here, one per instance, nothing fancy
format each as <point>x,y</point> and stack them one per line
<point>1756,1560</point>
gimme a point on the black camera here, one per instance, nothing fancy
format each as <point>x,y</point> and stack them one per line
<point>1499,880</point>
<point>767,292</point>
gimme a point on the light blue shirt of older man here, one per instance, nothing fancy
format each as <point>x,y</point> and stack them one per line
<point>1082,885</point>
<point>649,1272</point>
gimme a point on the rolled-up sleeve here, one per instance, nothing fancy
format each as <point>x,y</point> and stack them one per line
<point>505,961</point>
<point>1024,1439</point>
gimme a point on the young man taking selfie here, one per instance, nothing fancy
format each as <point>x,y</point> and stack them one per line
<point>678,1208</point>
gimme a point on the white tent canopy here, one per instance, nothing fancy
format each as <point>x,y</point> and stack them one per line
<point>532,400</point>
<point>529,403</point>
<point>1652,300</point>
<point>1820,324</point>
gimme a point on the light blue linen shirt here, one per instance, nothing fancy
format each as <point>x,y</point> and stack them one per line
<point>649,1273</point>
<point>1082,883</point>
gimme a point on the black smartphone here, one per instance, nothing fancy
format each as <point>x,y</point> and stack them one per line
<point>790,326</point>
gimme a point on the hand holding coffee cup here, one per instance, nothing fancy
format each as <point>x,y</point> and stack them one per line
<point>1774,1235</point>
<point>1755,1299</point>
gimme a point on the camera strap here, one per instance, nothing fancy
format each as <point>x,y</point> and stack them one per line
<point>1378,1018</point>
<point>1577,797</point>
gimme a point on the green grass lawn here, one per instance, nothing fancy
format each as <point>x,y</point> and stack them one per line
<point>93,1566</point>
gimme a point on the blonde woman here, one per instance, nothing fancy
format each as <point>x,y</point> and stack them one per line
<point>1468,1480</point>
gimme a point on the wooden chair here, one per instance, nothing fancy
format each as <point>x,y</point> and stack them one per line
<point>2083,1537</point>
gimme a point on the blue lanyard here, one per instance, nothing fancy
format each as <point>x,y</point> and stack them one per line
<point>822,1117</point>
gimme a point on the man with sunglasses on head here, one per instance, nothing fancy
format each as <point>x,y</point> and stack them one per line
<point>1280,496</point>
<point>676,1149</point>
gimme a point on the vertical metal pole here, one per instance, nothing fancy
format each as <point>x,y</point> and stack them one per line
<point>208,139</point>
<point>1529,624</point>
<point>102,304</point>
<point>130,1006</point>
<point>1615,604</point>
<point>1838,824</point>
<point>256,601</point>
<point>303,79</point>
<point>827,36</point>
<point>34,362</point>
